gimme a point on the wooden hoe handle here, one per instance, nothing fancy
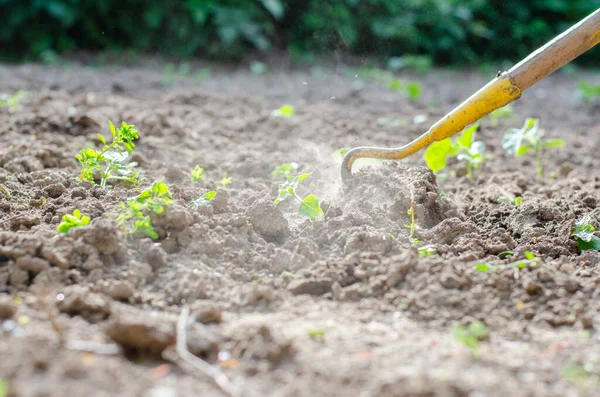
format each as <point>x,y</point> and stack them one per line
<point>505,88</point>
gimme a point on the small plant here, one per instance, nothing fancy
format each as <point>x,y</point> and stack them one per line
<point>285,170</point>
<point>412,227</point>
<point>197,174</point>
<point>518,142</point>
<point>471,336</point>
<point>4,389</point>
<point>464,148</point>
<point>109,161</point>
<point>135,213</point>
<point>205,198</point>
<point>496,115</point>
<point>507,200</point>
<point>226,181</point>
<point>411,89</point>
<point>530,261</point>
<point>12,101</point>
<point>588,92</point>
<point>316,333</point>
<point>427,250</point>
<point>70,221</point>
<point>284,111</point>
<point>584,235</point>
<point>309,206</point>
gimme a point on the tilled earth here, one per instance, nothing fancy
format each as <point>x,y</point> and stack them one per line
<point>342,306</point>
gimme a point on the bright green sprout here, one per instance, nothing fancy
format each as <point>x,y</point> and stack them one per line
<point>506,200</point>
<point>12,101</point>
<point>411,89</point>
<point>285,170</point>
<point>316,333</point>
<point>464,148</point>
<point>471,336</point>
<point>427,250</point>
<point>530,261</point>
<point>284,111</point>
<point>70,221</point>
<point>109,162</point>
<point>584,235</point>
<point>226,181</point>
<point>197,174</point>
<point>309,206</point>
<point>503,112</point>
<point>412,228</point>
<point>135,213</point>
<point>588,93</point>
<point>518,142</point>
<point>205,198</point>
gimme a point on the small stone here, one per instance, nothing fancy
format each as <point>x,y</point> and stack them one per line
<point>450,280</point>
<point>206,313</point>
<point>156,257</point>
<point>117,289</point>
<point>32,264</point>
<point>268,220</point>
<point>55,190</point>
<point>532,288</point>
<point>571,285</point>
<point>310,286</point>
<point>7,308</point>
<point>219,202</point>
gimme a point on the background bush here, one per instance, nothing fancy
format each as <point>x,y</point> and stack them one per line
<point>450,31</point>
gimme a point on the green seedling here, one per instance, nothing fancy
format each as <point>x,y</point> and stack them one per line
<point>12,101</point>
<point>70,221</point>
<point>309,206</point>
<point>205,198</point>
<point>316,333</point>
<point>285,170</point>
<point>471,336</point>
<point>202,74</point>
<point>411,89</point>
<point>506,200</point>
<point>109,162</point>
<point>197,174</point>
<point>284,111</point>
<point>226,181</point>
<point>427,250</point>
<point>135,213</point>
<point>518,142</point>
<point>530,261</point>
<point>584,235</point>
<point>503,112</point>
<point>464,148</point>
<point>413,226</point>
<point>588,92</point>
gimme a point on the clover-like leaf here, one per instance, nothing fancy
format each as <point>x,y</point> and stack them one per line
<point>310,207</point>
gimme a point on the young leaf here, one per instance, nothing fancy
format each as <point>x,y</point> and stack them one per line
<point>436,154</point>
<point>310,207</point>
<point>102,139</point>
<point>285,170</point>
<point>205,198</point>
<point>484,267</point>
<point>554,143</point>
<point>466,138</point>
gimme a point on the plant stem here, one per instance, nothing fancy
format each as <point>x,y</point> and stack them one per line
<point>538,162</point>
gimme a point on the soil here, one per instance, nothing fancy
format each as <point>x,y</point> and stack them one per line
<point>342,306</point>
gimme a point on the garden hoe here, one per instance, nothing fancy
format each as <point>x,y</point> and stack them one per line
<point>505,88</point>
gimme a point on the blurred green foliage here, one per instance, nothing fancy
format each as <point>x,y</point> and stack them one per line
<point>450,31</point>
